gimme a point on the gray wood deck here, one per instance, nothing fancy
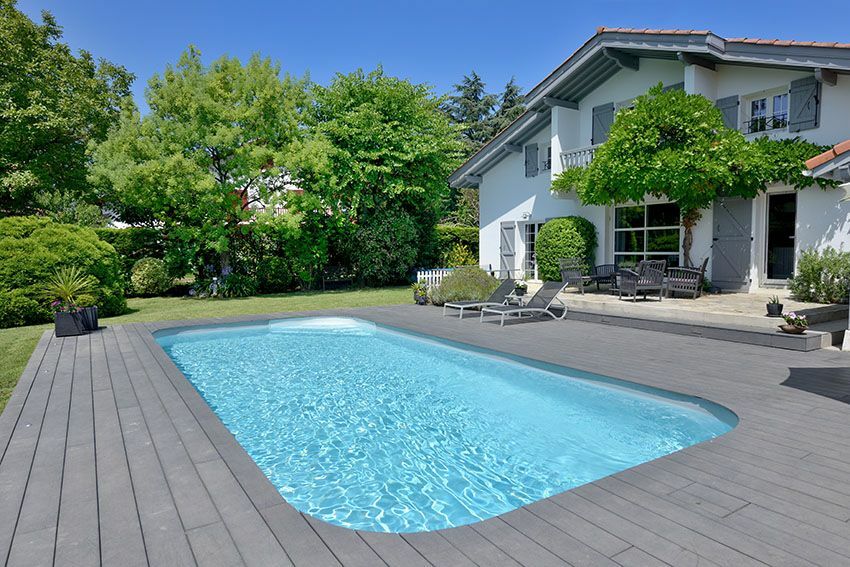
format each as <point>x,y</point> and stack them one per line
<point>109,456</point>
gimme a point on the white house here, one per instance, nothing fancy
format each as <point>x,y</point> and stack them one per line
<point>762,87</point>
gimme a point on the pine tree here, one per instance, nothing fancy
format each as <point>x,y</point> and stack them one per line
<point>472,108</point>
<point>510,108</point>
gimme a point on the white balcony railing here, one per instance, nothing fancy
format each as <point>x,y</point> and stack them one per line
<point>578,157</point>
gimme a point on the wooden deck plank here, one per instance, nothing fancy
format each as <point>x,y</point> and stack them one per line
<point>474,546</point>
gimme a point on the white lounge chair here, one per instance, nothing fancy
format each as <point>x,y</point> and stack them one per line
<point>496,298</point>
<point>539,304</point>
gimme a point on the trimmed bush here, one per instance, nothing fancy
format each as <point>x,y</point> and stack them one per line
<point>462,284</point>
<point>16,309</point>
<point>565,237</point>
<point>150,277</point>
<point>32,250</point>
<point>822,277</point>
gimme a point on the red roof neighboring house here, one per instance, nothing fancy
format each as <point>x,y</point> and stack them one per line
<point>829,154</point>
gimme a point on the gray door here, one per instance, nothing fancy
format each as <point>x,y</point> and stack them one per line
<point>733,235</point>
<point>507,253</point>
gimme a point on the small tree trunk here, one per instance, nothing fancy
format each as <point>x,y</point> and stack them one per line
<point>689,220</point>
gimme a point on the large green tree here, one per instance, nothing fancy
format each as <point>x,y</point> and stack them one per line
<point>388,149</point>
<point>675,146</point>
<point>53,105</point>
<point>472,108</point>
<point>216,138</point>
<point>510,107</point>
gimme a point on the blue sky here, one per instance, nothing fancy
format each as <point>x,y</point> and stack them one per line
<point>434,41</point>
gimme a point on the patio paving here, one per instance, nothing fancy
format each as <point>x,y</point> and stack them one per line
<point>109,456</point>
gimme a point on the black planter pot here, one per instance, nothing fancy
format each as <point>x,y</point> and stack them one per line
<point>420,299</point>
<point>519,292</point>
<point>89,318</point>
<point>68,324</point>
<point>774,309</point>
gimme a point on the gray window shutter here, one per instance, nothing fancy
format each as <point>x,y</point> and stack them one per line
<point>674,87</point>
<point>804,104</point>
<point>531,160</point>
<point>728,107</point>
<point>603,117</point>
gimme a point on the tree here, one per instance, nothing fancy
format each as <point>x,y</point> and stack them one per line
<point>510,108</point>
<point>388,150</point>
<point>53,105</point>
<point>216,139</point>
<point>674,145</point>
<point>472,108</point>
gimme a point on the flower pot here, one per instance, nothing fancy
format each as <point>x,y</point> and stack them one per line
<point>519,292</point>
<point>420,298</point>
<point>792,329</point>
<point>774,309</point>
<point>68,324</point>
<point>89,318</point>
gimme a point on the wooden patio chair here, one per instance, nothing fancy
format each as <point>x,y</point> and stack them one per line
<point>649,277</point>
<point>686,280</point>
<point>572,272</point>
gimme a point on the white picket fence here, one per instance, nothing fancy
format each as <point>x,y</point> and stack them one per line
<point>432,277</point>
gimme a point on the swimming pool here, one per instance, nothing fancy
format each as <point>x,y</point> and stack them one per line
<point>371,428</point>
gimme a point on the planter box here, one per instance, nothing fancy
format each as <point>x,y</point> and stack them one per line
<point>68,324</point>
<point>89,318</point>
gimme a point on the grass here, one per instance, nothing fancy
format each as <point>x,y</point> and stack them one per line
<point>16,345</point>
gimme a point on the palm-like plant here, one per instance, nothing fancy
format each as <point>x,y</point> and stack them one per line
<point>67,285</point>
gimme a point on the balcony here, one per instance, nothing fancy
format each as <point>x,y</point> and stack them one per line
<point>766,123</point>
<point>578,157</point>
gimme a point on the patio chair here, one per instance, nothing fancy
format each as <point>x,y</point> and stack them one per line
<point>572,272</point>
<point>540,304</point>
<point>649,277</point>
<point>496,298</point>
<point>686,280</point>
<point>604,273</point>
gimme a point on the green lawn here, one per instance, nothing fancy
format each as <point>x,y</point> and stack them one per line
<point>16,345</point>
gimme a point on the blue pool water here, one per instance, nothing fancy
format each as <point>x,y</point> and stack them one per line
<point>370,428</point>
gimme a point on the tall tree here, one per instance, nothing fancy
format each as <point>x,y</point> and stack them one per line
<point>217,137</point>
<point>510,107</point>
<point>53,105</point>
<point>472,108</point>
<point>389,149</point>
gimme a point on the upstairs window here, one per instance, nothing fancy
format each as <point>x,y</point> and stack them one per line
<point>767,112</point>
<point>546,165</point>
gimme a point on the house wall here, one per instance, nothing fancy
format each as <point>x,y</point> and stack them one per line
<point>507,195</point>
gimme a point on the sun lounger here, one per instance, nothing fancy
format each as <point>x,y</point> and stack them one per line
<point>540,304</point>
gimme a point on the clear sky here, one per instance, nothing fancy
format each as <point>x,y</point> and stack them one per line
<point>434,42</point>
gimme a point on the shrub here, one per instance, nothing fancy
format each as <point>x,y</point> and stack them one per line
<point>458,255</point>
<point>566,237</point>
<point>17,309</point>
<point>150,277</point>
<point>238,285</point>
<point>448,237</point>
<point>133,244</point>
<point>822,277</point>
<point>384,248</point>
<point>462,284</point>
<point>33,249</point>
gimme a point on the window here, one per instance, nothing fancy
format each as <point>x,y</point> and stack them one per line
<point>768,113</point>
<point>530,237</point>
<point>646,232</point>
<point>547,163</point>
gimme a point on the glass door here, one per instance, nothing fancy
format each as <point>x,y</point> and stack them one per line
<point>781,232</point>
<point>530,237</point>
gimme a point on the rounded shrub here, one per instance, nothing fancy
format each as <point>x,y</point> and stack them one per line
<point>565,237</point>
<point>150,277</point>
<point>467,283</point>
<point>33,249</point>
<point>16,309</point>
<point>822,277</point>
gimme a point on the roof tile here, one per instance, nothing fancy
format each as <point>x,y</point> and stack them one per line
<point>748,40</point>
<point>829,154</point>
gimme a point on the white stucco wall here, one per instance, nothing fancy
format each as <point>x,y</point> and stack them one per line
<point>507,195</point>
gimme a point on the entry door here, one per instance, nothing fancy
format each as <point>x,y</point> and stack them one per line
<point>507,252</point>
<point>781,231</point>
<point>733,235</point>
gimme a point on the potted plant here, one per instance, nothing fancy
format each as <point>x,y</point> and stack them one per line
<point>794,324</point>
<point>520,287</point>
<point>420,292</point>
<point>69,287</point>
<point>774,308</point>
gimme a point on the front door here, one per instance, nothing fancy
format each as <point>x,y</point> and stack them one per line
<point>781,231</point>
<point>730,251</point>
<point>507,254</point>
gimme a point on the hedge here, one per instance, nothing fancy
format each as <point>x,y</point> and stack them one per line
<point>565,237</point>
<point>32,249</point>
<point>452,241</point>
<point>133,244</point>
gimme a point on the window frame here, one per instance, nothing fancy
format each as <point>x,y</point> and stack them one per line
<point>644,229</point>
<point>774,119</point>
